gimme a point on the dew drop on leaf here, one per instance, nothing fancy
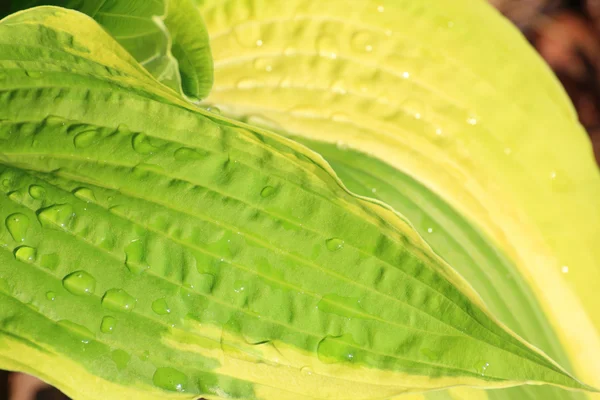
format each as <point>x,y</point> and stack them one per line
<point>327,46</point>
<point>108,324</point>
<point>80,283</point>
<point>334,244</point>
<point>17,225</point>
<point>49,261</point>
<point>187,154</point>
<point>118,300</point>
<point>85,194</point>
<point>267,191</point>
<point>121,358</point>
<point>61,215</point>
<point>86,139</point>
<point>362,42</point>
<point>26,254</point>
<point>79,330</point>
<point>134,257</point>
<point>34,74</point>
<point>170,379</point>
<point>160,307</point>
<point>142,145</point>
<point>51,296</point>
<point>37,192</point>
<point>333,349</point>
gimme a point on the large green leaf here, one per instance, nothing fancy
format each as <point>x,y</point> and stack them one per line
<point>450,94</point>
<point>153,250</point>
<point>167,37</point>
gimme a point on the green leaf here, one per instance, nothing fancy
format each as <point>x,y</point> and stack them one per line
<point>450,94</point>
<point>152,250</point>
<point>172,44</point>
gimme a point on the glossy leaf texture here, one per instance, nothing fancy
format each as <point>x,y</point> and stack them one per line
<point>443,100</point>
<point>154,250</point>
<point>168,37</point>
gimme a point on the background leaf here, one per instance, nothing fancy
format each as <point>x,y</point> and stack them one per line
<point>171,44</point>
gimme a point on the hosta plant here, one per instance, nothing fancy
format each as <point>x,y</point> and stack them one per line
<point>374,200</point>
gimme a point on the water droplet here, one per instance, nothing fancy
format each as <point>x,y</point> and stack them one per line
<point>86,139</point>
<point>170,379</point>
<point>26,254</point>
<point>430,354</point>
<point>121,358</point>
<point>263,64</point>
<point>327,46</point>
<point>348,307</point>
<point>239,287</point>
<point>373,190</point>
<point>17,225</point>
<point>37,192</point>
<point>565,269</point>
<point>213,109</point>
<point>380,9</point>
<point>144,356</point>
<point>406,75</point>
<point>85,194</point>
<point>306,371</point>
<point>186,154</point>
<point>430,230</point>
<point>248,34</point>
<point>51,296</point>
<point>267,191</point>
<point>80,283</point>
<point>118,300</point>
<point>108,324</point>
<point>134,257</point>
<point>332,349</point>
<point>141,144</point>
<point>61,215</point>
<point>341,145</point>
<point>6,184</point>
<point>484,368</point>
<point>34,74</point>
<point>160,307</point>
<point>362,42</point>
<point>79,330</point>
<point>49,261</point>
<point>248,83</point>
<point>472,120</point>
<point>334,244</point>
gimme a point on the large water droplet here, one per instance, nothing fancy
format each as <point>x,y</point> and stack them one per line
<point>17,225</point>
<point>85,194</point>
<point>37,192</point>
<point>121,358</point>
<point>160,307</point>
<point>186,154</point>
<point>80,283</point>
<point>34,74</point>
<point>362,42</point>
<point>51,296</point>
<point>49,261</point>
<point>86,139</point>
<point>26,254</point>
<point>61,215</point>
<point>267,191</point>
<point>333,349</point>
<point>334,244</point>
<point>108,324</point>
<point>170,379</point>
<point>79,330</point>
<point>348,307</point>
<point>142,145</point>
<point>327,46</point>
<point>134,257</point>
<point>248,34</point>
<point>118,300</point>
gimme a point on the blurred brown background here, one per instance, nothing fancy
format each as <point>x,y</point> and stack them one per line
<point>565,32</point>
